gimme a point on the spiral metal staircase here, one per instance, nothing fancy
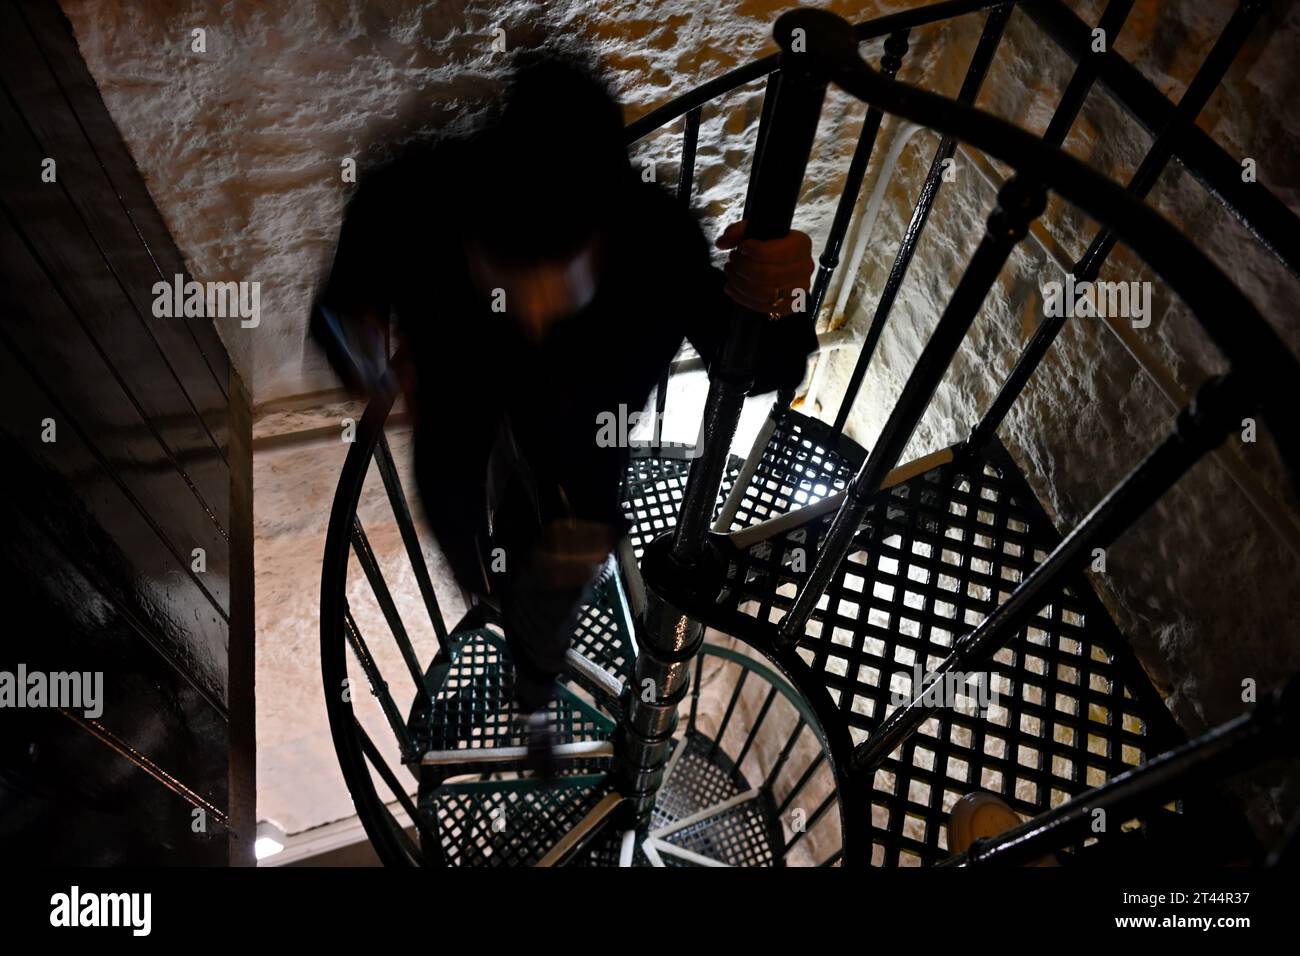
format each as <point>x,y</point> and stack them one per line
<point>822,568</point>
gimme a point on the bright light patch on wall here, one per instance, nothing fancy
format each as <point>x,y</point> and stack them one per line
<point>270,840</point>
<point>265,846</point>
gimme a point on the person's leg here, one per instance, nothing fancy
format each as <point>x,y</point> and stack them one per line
<point>451,465</point>
<point>540,617</point>
<point>540,622</point>
<point>539,614</point>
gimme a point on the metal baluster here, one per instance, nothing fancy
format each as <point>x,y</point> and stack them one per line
<point>785,754</point>
<point>1198,92</point>
<point>811,821</point>
<point>975,73</point>
<point>671,638</point>
<point>731,707</point>
<point>394,785</point>
<point>370,566</point>
<point>1019,203</point>
<point>890,63</point>
<point>379,687</point>
<point>695,691</point>
<point>797,92</point>
<point>685,178</point>
<point>758,723</point>
<point>1216,411</point>
<point>414,553</point>
<point>802,782</point>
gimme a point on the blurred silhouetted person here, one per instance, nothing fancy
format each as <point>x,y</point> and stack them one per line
<point>535,282</point>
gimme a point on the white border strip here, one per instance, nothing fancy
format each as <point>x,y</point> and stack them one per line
<point>628,848</point>
<point>705,814</point>
<point>477,755</point>
<point>687,855</point>
<point>583,665</point>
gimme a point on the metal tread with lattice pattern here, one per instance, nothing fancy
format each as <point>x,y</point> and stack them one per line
<point>706,814</point>
<point>504,819</point>
<point>604,633</point>
<point>474,707</point>
<point>509,822</point>
<point>800,464</point>
<point>652,495</point>
<point>935,555</point>
<point>710,811</point>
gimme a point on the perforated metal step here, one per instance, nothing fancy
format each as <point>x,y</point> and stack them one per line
<point>652,494</point>
<point>510,822</point>
<point>748,833</point>
<point>800,464</point>
<point>935,556</point>
<point>604,633</point>
<point>514,822</point>
<point>474,707</point>
<point>701,779</point>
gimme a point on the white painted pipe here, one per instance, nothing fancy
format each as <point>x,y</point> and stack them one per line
<point>867,222</point>
<point>627,849</point>
<point>862,233</point>
<point>583,749</point>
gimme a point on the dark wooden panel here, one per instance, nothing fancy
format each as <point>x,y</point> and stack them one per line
<point>72,296</point>
<point>50,36</point>
<point>241,704</point>
<point>100,524</point>
<point>44,329</point>
<point>150,705</point>
<point>82,506</point>
<point>178,390</point>
<point>69,799</point>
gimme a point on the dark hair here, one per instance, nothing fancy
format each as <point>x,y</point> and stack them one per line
<point>546,173</point>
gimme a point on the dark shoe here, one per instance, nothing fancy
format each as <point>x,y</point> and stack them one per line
<point>541,746</point>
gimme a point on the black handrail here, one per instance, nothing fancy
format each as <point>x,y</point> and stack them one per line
<point>867,30</point>
<point>350,742</point>
<point>890,63</point>
<point>685,180</point>
<point>776,182</point>
<point>1229,318</point>
<point>1205,290</point>
<point>1085,73</point>
<point>667,638</point>
<point>1198,93</point>
<point>1265,216</point>
<point>1240,743</point>
<point>1264,368</point>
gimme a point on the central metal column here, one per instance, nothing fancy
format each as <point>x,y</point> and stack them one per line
<point>810,40</point>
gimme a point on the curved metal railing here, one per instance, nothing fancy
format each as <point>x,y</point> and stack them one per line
<point>767,731</point>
